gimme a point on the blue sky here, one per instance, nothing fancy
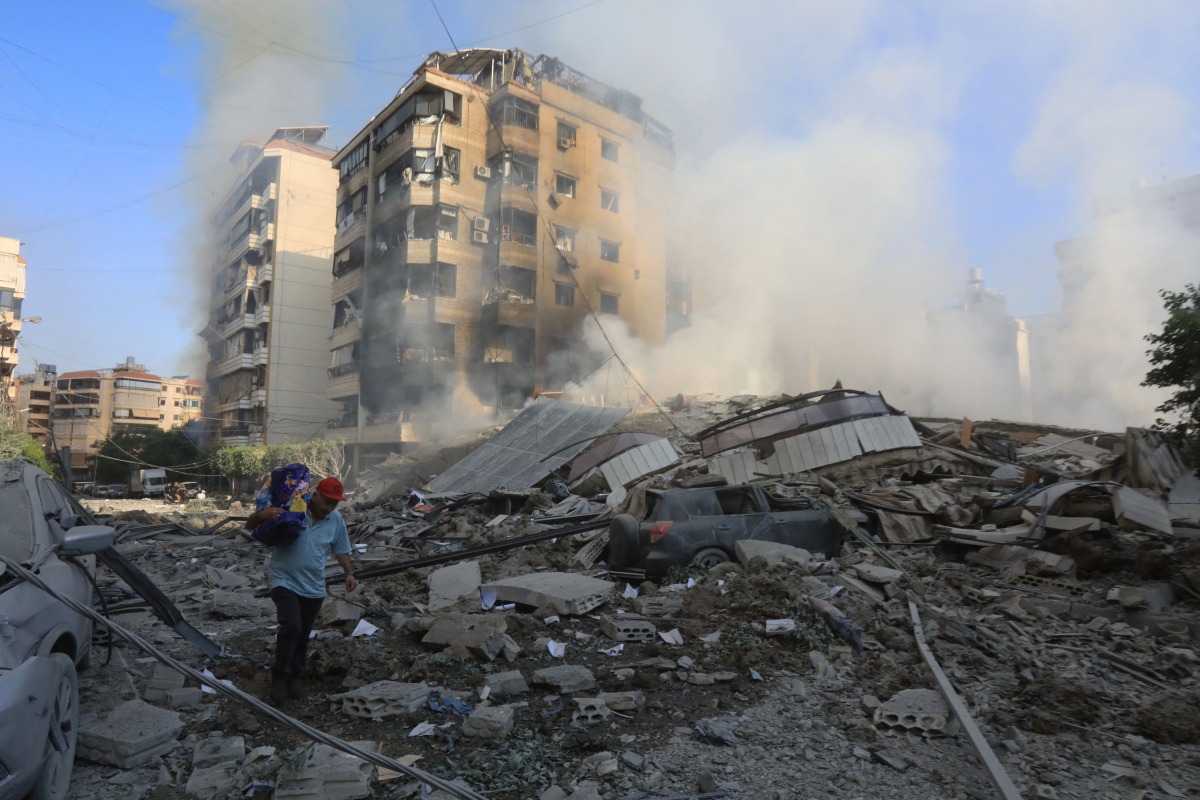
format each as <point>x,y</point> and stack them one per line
<point>117,120</point>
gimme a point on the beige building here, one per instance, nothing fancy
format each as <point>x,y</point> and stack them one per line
<point>269,308</point>
<point>12,293</point>
<point>498,201</point>
<point>35,398</point>
<point>91,405</point>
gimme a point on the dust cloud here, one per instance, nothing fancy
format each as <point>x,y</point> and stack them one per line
<point>820,156</point>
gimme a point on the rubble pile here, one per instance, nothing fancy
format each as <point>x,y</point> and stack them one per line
<point>1012,612</point>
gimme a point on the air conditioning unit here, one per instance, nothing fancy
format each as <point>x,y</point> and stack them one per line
<point>480,237</point>
<point>483,172</point>
<point>565,143</point>
<point>482,224</point>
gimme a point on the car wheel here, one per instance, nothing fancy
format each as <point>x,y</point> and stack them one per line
<point>710,557</point>
<point>623,540</point>
<point>59,755</point>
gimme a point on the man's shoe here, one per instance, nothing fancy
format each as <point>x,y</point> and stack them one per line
<point>279,692</point>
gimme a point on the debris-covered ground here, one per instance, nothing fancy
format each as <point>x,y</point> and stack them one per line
<point>1055,575</point>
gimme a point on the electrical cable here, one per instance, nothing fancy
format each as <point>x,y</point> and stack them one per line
<point>234,693</point>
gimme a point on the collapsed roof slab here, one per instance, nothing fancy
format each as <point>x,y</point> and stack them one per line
<point>544,436</point>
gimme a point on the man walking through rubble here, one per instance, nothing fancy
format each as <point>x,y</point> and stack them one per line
<point>297,581</point>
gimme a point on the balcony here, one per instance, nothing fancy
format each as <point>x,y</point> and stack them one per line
<point>351,228</point>
<point>343,381</point>
<point>516,137</point>
<point>265,274</point>
<point>234,404</point>
<point>237,285</point>
<point>263,315</point>
<point>343,423</point>
<point>345,334</point>
<point>411,251</point>
<point>258,398</point>
<point>516,252</point>
<point>260,356</point>
<point>267,232</point>
<point>424,310</point>
<point>347,282</point>
<point>235,324</point>
<point>231,365</point>
<point>508,308</point>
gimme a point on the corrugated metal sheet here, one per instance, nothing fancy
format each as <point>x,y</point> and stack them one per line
<point>626,468</point>
<point>848,440</point>
<point>738,466</point>
<point>516,457</point>
<point>1134,509</point>
<point>878,434</point>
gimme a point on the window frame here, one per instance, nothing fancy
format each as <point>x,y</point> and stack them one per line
<point>564,294</point>
<point>607,246</point>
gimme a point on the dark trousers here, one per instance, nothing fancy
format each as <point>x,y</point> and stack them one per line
<point>296,616</point>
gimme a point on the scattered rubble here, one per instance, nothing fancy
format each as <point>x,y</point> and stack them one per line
<point>1054,576</point>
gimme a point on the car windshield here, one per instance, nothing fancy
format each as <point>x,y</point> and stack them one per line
<point>16,523</point>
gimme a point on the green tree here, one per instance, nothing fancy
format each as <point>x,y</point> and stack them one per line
<point>129,449</point>
<point>1175,364</point>
<point>14,442</point>
<point>247,465</point>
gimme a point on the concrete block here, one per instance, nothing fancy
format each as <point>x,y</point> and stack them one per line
<point>566,678</point>
<point>565,592</point>
<point>323,773</point>
<point>660,605</point>
<point>633,760</point>
<point>482,635</point>
<point>624,701</point>
<point>503,684</point>
<point>384,699</point>
<point>877,574</point>
<point>590,711</point>
<point>450,584</point>
<point>772,554</point>
<point>335,611</point>
<point>218,750</point>
<point>129,735</point>
<point>628,629</point>
<point>922,710</point>
<point>185,697</point>
<point>489,722</point>
<point>214,782</point>
<point>162,680</point>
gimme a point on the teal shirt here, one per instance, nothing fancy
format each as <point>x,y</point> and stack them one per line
<point>300,566</point>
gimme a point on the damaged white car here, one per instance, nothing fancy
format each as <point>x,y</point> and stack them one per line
<point>42,641</point>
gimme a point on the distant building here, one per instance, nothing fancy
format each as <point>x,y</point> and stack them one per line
<point>12,292</point>
<point>484,213</point>
<point>35,397</point>
<point>91,405</point>
<point>269,305</point>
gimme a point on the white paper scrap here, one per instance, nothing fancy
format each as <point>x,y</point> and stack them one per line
<point>711,638</point>
<point>556,649</point>
<point>208,689</point>
<point>615,650</point>
<point>551,620</point>
<point>487,598</point>
<point>423,729</point>
<point>691,582</point>
<point>672,636</point>
<point>630,593</point>
<point>364,628</point>
<point>360,547</point>
<point>484,692</point>
<point>778,626</point>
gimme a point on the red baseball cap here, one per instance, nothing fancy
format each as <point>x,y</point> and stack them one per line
<point>332,488</point>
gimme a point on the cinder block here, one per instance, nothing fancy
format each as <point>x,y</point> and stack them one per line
<point>624,701</point>
<point>922,710</point>
<point>628,629</point>
<point>660,605</point>
<point>384,699</point>
<point>591,710</point>
<point>129,735</point>
<point>324,773</point>
<point>503,684</point>
<point>489,722</point>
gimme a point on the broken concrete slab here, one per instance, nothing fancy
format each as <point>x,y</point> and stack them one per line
<point>479,635</point>
<point>770,554</point>
<point>566,678</point>
<point>876,573</point>
<point>162,680</point>
<point>131,734</point>
<point>565,592</point>
<point>450,584</point>
<point>1006,557</point>
<point>218,781</point>
<point>504,684</point>
<point>323,773</point>
<point>218,750</point>
<point>384,699</point>
<point>489,722</point>
<point>232,605</point>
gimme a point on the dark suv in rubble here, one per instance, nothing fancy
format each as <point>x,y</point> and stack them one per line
<point>42,641</point>
<point>674,527</point>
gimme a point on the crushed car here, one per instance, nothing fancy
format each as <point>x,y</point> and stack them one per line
<point>42,641</point>
<point>676,527</point>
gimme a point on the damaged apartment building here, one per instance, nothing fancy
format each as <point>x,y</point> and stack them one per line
<point>269,293</point>
<point>493,205</point>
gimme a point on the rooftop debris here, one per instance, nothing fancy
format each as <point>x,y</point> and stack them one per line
<point>1015,612</point>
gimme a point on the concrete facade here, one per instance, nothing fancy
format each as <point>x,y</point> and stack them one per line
<point>269,303</point>
<point>490,208</point>
<point>35,397</point>
<point>12,293</point>
<point>90,405</point>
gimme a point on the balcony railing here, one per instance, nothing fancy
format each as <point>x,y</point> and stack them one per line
<point>343,369</point>
<point>344,422</point>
